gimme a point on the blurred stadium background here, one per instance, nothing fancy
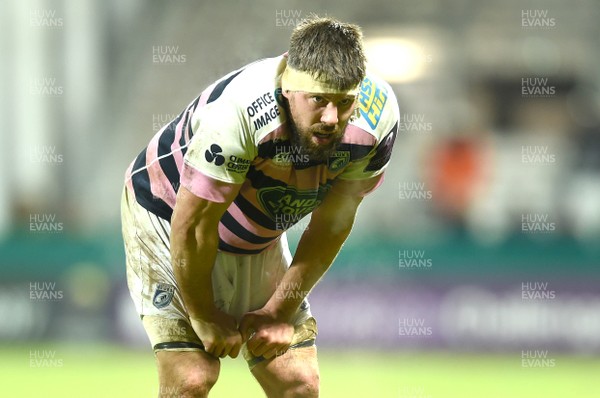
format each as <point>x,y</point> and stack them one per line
<point>473,271</point>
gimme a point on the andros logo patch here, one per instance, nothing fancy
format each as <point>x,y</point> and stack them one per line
<point>289,201</point>
<point>163,295</point>
<point>213,155</point>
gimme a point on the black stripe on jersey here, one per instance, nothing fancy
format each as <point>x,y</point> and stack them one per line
<point>258,179</point>
<point>357,151</point>
<point>141,179</point>
<point>231,224</point>
<point>306,165</point>
<point>156,206</point>
<point>143,194</point>
<point>218,90</point>
<point>186,130</point>
<point>268,150</point>
<point>231,249</point>
<point>383,153</point>
<point>253,213</point>
<point>167,163</point>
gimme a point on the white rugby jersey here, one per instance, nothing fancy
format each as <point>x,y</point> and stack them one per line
<point>236,133</point>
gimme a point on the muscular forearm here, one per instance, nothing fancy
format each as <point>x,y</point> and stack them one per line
<point>316,251</point>
<point>193,254</point>
<point>194,244</point>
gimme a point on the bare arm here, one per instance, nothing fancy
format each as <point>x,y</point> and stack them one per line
<point>268,331</point>
<point>321,242</point>
<point>194,244</point>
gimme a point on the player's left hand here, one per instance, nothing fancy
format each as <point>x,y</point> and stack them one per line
<point>264,334</point>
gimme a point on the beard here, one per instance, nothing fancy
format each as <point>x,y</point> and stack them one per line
<point>301,138</point>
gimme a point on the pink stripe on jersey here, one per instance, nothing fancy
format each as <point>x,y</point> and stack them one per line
<point>355,135</point>
<point>204,96</point>
<point>248,224</point>
<point>160,185</point>
<point>206,187</point>
<point>279,132</point>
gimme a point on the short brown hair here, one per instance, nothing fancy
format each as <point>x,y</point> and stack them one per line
<point>329,50</point>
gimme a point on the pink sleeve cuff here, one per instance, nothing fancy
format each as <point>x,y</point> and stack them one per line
<point>206,187</point>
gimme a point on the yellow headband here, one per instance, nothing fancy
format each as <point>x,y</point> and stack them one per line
<point>295,80</point>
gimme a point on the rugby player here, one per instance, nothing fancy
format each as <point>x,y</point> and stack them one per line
<point>207,202</point>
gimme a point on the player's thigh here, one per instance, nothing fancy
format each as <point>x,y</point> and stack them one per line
<point>186,374</point>
<point>293,374</point>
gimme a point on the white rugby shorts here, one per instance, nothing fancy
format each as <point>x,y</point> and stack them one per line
<point>241,283</point>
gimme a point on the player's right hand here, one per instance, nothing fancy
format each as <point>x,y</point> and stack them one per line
<point>219,334</point>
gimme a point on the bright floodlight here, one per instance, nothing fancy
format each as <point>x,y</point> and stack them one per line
<point>394,59</point>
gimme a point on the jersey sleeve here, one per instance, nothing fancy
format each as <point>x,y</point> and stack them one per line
<point>220,152</point>
<point>379,115</point>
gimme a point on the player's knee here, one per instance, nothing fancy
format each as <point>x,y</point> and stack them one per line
<point>184,375</point>
<point>196,387</point>
<point>191,385</point>
<point>188,382</point>
<point>305,385</point>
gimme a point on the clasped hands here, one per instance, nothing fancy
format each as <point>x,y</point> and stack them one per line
<point>263,333</point>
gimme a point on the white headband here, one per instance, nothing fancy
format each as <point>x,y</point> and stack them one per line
<point>295,80</point>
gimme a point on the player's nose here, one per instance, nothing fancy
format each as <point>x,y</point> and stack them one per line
<point>330,115</point>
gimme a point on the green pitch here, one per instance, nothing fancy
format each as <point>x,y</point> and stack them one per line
<point>51,371</point>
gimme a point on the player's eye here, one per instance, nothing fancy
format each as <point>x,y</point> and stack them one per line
<point>346,101</point>
<point>318,99</point>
